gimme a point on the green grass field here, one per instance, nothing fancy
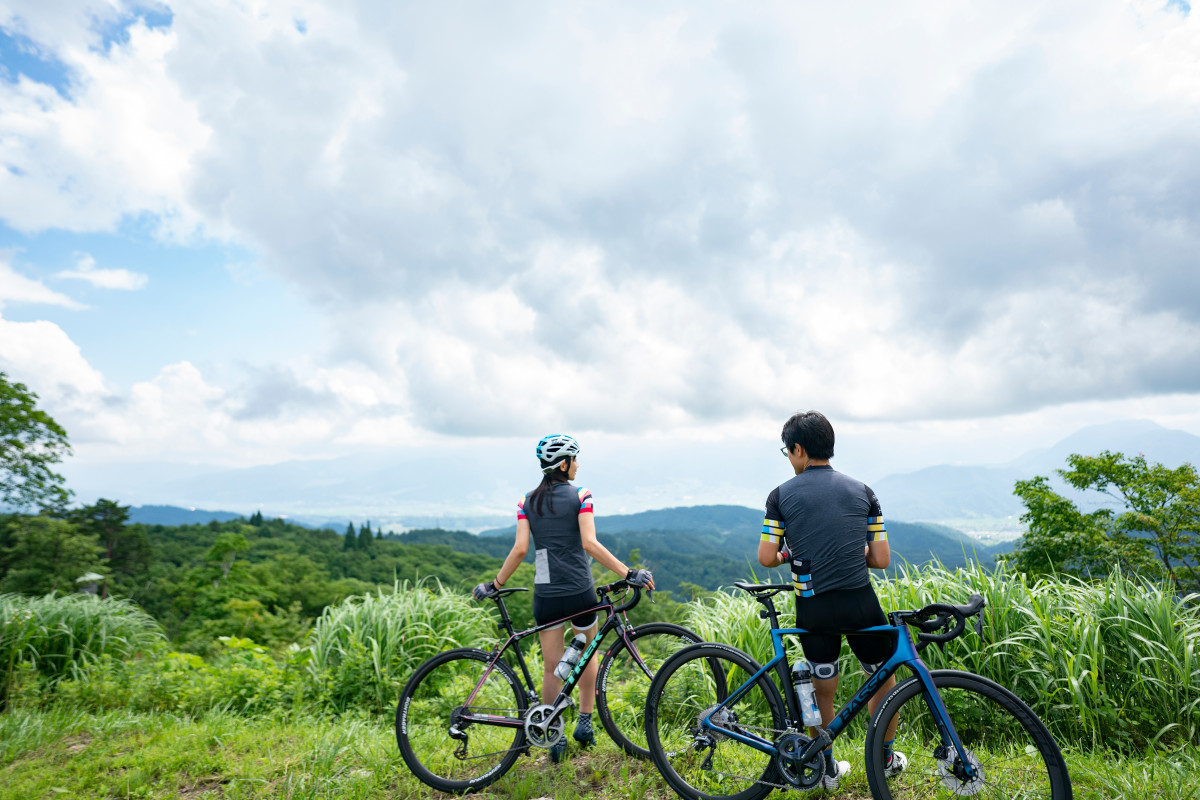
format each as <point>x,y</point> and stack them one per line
<point>64,754</point>
<point>97,707</point>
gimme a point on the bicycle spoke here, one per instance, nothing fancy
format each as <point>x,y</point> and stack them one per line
<point>1012,753</point>
<point>624,683</point>
<point>439,741</point>
<point>700,761</point>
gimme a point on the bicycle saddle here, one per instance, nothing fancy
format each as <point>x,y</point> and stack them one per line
<point>760,590</point>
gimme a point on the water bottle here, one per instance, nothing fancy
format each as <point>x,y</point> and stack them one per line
<point>802,680</point>
<point>570,656</point>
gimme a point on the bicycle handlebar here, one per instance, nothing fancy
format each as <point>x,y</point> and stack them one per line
<point>607,588</point>
<point>937,616</point>
<point>617,586</point>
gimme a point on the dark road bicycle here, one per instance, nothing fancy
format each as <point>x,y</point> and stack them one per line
<point>964,735</point>
<point>465,716</point>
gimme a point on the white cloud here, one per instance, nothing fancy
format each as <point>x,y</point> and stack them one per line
<point>85,270</point>
<point>41,355</point>
<point>634,220</point>
<point>119,145</point>
<point>16,288</point>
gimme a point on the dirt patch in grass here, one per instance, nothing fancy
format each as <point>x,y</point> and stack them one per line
<point>201,788</point>
<point>77,742</point>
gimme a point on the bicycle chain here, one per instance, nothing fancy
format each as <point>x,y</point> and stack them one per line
<point>759,780</point>
<point>460,752</point>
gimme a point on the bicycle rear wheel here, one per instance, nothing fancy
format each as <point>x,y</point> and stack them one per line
<point>443,750</point>
<point>702,764</point>
<point>621,683</point>
<point>1013,751</point>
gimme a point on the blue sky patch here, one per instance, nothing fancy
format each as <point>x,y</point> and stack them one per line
<point>116,30</point>
<point>203,301</point>
<point>20,56</point>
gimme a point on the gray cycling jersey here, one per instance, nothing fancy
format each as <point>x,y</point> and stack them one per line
<point>828,518</point>
<point>561,565</point>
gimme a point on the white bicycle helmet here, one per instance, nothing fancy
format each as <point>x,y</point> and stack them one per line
<point>553,449</point>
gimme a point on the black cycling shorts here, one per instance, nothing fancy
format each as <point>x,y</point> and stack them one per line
<point>830,614</point>
<point>551,609</point>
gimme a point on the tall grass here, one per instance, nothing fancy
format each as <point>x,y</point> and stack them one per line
<point>57,634</point>
<point>1110,663</point>
<point>360,652</point>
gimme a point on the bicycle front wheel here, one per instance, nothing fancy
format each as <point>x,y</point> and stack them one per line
<point>622,683</point>
<point>706,764</point>
<point>1012,751</point>
<point>441,736</point>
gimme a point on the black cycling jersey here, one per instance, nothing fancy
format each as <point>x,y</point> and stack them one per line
<point>560,564</point>
<point>827,518</point>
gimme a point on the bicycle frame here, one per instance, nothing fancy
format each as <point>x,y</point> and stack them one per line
<point>615,621</point>
<point>905,656</point>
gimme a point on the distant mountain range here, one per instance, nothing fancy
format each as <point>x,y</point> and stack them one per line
<point>172,516</point>
<point>708,546</point>
<point>714,546</point>
<point>966,492</point>
<point>414,488</point>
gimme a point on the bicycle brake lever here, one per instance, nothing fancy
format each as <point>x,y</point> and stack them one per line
<point>650,595</point>
<point>979,625</point>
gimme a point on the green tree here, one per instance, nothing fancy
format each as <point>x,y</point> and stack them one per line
<point>48,555</point>
<point>226,550</point>
<point>366,541</point>
<point>31,442</point>
<point>126,548</point>
<point>350,541</point>
<point>1154,532</point>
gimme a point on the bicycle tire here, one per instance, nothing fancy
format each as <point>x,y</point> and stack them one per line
<point>1014,750</point>
<point>621,684</point>
<point>423,718</point>
<point>699,766</point>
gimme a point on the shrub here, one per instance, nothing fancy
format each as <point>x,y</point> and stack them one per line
<point>241,678</point>
<point>58,634</point>
<point>360,652</point>
<point>1114,662</point>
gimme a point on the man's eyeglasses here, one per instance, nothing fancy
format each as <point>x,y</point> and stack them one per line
<point>784,450</point>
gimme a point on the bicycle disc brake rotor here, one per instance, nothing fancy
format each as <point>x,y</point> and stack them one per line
<point>787,757</point>
<point>950,769</point>
<point>722,718</point>
<point>542,729</point>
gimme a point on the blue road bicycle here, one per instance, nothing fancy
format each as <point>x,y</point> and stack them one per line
<point>964,736</point>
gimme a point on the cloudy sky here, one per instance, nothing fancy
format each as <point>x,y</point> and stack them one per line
<point>241,232</point>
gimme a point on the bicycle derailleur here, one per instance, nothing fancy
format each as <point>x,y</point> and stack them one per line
<point>458,733</point>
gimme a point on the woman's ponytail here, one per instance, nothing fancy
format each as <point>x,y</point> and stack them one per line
<point>544,490</point>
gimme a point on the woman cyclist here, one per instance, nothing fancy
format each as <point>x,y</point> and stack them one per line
<point>563,526</point>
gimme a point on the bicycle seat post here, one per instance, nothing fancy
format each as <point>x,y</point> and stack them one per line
<point>769,612</point>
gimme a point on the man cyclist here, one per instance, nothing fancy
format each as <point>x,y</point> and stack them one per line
<point>830,527</point>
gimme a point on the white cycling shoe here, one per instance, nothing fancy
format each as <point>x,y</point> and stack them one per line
<point>899,762</point>
<point>832,782</point>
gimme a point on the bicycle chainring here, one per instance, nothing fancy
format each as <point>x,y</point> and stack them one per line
<point>787,758</point>
<point>542,727</point>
